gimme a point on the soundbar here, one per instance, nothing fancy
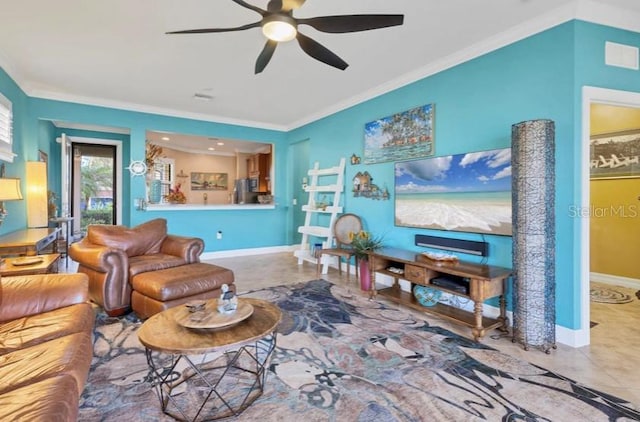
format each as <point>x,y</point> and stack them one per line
<point>471,247</point>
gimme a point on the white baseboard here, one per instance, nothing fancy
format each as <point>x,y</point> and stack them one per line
<point>247,252</point>
<point>615,280</point>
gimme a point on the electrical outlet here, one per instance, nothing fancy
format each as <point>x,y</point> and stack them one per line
<point>219,235</point>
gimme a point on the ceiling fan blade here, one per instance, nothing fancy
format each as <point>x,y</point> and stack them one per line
<point>319,52</point>
<point>209,30</point>
<point>352,23</point>
<point>250,6</point>
<point>265,55</point>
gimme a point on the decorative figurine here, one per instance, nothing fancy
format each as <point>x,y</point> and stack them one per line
<point>228,302</point>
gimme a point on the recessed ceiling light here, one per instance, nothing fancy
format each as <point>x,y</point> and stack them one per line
<point>211,149</point>
<point>165,138</point>
<point>220,143</point>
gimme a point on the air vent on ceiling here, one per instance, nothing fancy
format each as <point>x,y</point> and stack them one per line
<point>202,97</point>
<point>621,55</point>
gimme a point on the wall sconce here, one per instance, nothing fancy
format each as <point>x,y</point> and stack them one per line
<point>37,211</point>
<point>9,191</point>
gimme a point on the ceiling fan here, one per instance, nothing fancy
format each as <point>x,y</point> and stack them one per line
<point>279,25</point>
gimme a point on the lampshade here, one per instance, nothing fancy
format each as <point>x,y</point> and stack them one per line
<point>279,28</point>
<point>36,175</point>
<point>10,189</point>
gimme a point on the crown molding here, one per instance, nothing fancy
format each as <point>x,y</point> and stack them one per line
<point>121,105</point>
<point>586,10</point>
<point>517,33</point>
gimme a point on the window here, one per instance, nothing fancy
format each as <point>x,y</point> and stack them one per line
<point>163,171</point>
<point>6,130</point>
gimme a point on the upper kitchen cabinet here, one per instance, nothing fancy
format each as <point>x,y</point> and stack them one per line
<point>259,168</point>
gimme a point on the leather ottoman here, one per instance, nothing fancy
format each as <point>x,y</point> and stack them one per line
<point>155,291</point>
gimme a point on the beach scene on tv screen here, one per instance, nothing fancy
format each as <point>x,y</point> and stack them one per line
<point>465,192</point>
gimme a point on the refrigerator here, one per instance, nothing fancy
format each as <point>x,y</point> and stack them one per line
<point>242,192</point>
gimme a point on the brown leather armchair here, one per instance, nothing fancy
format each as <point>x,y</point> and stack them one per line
<point>112,255</point>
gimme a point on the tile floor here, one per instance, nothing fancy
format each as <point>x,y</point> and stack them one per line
<point>610,364</point>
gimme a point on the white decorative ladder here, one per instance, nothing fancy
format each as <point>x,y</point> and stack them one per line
<point>312,227</point>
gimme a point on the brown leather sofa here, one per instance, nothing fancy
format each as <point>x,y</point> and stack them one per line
<point>46,346</point>
<point>112,255</point>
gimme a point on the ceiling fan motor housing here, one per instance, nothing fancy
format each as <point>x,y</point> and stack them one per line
<point>279,27</point>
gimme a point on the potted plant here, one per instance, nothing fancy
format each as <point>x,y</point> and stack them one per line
<point>363,243</point>
<point>176,196</point>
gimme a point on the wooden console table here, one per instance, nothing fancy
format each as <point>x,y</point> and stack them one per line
<point>28,241</point>
<point>484,282</point>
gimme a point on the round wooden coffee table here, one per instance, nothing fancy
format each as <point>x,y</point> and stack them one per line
<point>206,374</point>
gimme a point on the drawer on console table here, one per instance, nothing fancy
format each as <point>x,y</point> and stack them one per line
<point>415,274</point>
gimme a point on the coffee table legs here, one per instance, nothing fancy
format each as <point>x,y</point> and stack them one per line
<point>212,389</point>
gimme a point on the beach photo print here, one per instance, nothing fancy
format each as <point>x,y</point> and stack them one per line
<point>465,192</point>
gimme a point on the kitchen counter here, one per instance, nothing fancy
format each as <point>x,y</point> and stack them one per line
<point>203,207</point>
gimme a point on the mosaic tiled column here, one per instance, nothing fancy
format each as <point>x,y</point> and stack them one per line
<point>533,190</point>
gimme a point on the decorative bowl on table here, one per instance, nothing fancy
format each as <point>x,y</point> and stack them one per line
<point>426,296</point>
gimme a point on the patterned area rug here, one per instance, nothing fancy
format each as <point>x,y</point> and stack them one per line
<point>607,294</point>
<point>341,357</point>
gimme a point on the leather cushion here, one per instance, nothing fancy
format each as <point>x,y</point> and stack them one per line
<point>65,355</point>
<point>153,262</point>
<point>144,306</point>
<point>183,281</point>
<point>53,399</point>
<point>145,238</point>
<point>35,329</point>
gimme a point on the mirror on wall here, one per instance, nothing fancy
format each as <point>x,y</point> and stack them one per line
<point>207,170</point>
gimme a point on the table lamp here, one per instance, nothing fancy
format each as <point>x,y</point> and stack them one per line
<point>37,201</point>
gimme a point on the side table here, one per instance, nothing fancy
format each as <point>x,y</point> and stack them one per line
<point>64,236</point>
<point>43,264</point>
<point>224,369</point>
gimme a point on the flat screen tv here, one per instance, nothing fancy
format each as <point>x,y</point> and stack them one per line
<point>465,192</point>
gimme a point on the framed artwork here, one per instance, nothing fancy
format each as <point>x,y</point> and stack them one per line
<point>464,192</point>
<point>402,136</point>
<point>209,181</point>
<point>615,155</point>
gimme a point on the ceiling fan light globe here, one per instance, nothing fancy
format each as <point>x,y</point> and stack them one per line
<point>279,28</point>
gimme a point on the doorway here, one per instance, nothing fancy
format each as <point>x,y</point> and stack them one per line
<point>592,96</point>
<point>94,189</point>
<point>75,151</point>
<point>299,157</point>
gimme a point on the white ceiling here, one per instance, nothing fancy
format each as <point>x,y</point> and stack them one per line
<point>116,53</point>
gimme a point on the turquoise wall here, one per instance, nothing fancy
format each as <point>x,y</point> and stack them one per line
<point>23,146</point>
<point>246,229</point>
<point>476,103</point>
